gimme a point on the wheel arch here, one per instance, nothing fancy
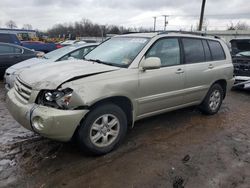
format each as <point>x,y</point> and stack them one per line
<point>123,102</point>
<point>223,84</point>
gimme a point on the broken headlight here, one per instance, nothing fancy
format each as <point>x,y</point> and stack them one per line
<point>55,98</point>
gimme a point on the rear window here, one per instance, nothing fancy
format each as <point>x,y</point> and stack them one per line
<point>216,50</point>
<point>193,50</point>
<point>5,38</point>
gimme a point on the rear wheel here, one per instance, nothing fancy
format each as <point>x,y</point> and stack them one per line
<point>103,129</point>
<point>213,100</point>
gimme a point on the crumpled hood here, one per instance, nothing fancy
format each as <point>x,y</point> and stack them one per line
<point>50,76</point>
<point>25,64</point>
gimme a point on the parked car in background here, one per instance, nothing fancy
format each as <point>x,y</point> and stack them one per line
<point>124,79</point>
<point>241,61</point>
<point>41,46</point>
<point>9,38</point>
<point>34,45</point>
<point>68,42</point>
<point>69,52</point>
<point>11,54</point>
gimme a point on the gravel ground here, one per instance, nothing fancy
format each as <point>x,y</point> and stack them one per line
<point>178,149</point>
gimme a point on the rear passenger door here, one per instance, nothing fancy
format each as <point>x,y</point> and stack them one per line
<point>199,73</point>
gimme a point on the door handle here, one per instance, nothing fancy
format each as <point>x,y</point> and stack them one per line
<point>179,71</point>
<point>210,66</point>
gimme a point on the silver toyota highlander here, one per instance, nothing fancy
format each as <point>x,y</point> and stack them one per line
<point>126,78</point>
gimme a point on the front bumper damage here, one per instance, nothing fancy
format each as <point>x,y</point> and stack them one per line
<point>242,81</point>
<point>242,72</point>
<point>48,122</point>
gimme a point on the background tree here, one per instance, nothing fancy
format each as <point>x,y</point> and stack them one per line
<point>27,26</point>
<point>11,24</point>
<point>238,26</point>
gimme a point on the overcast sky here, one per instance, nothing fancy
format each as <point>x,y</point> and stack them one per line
<point>43,14</point>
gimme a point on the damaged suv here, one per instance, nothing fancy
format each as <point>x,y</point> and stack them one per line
<point>241,61</point>
<point>126,78</point>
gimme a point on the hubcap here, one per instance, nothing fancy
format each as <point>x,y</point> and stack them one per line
<point>215,99</point>
<point>104,130</point>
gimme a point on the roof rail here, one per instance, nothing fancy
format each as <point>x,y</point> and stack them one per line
<point>183,32</point>
<point>199,33</point>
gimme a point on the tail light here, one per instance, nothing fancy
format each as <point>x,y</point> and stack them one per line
<point>58,46</point>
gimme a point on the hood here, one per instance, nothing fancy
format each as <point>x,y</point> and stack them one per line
<point>51,76</point>
<point>25,64</point>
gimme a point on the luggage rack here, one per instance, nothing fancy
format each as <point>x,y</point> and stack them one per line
<point>176,31</point>
<point>188,32</point>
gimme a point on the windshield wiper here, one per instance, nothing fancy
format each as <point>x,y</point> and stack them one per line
<point>103,62</point>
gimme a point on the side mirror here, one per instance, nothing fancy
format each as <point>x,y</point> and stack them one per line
<point>71,58</point>
<point>151,63</point>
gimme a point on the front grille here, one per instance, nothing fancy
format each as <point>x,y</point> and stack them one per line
<point>241,66</point>
<point>22,90</point>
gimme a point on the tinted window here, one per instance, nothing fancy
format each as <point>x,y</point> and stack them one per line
<point>208,55</point>
<point>5,49</point>
<point>217,51</point>
<point>193,50</point>
<point>167,50</point>
<point>5,38</point>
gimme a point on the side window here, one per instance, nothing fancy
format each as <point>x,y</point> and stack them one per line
<point>193,50</point>
<point>87,50</point>
<point>76,54</point>
<point>207,51</point>
<point>217,50</point>
<point>17,50</point>
<point>5,38</point>
<point>5,49</point>
<point>168,50</point>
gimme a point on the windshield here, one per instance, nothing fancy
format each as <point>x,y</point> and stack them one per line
<point>246,53</point>
<point>240,45</point>
<point>118,51</point>
<point>56,54</point>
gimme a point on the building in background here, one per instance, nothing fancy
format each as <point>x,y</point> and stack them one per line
<point>228,35</point>
<point>22,34</point>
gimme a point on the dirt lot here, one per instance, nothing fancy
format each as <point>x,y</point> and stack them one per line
<point>178,149</point>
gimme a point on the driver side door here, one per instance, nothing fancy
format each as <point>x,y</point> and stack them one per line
<point>162,89</point>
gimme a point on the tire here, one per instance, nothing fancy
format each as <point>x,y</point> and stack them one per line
<point>213,100</point>
<point>102,130</point>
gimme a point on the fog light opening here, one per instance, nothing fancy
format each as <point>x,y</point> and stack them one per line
<point>37,123</point>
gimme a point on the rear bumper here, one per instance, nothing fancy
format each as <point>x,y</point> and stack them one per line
<point>49,122</point>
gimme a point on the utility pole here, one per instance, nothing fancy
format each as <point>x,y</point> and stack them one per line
<point>202,14</point>
<point>154,22</point>
<point>165,21</point>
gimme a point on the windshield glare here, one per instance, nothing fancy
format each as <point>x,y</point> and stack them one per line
<point>118,51</point>
<point>56,54</point>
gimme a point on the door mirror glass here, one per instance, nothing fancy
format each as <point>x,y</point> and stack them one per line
<point>151,63</point>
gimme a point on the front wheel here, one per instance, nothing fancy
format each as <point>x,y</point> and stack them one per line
<point>213,100</point>
<point>103,129</point>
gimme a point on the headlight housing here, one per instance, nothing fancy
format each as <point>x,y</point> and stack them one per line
<point>59,99</point>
